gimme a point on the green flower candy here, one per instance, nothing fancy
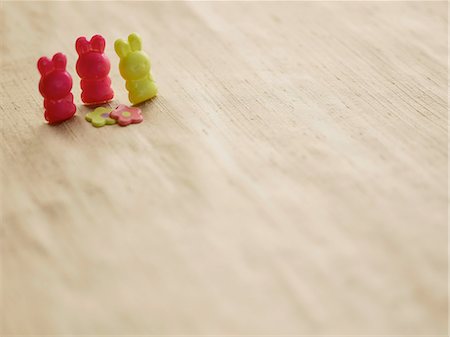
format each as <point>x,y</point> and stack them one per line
<point>100,117</point>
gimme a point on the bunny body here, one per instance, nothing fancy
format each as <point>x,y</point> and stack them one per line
<point>135,67</point>
<point>93,67</point>
<point>141,90</point>
<point>55,86</point>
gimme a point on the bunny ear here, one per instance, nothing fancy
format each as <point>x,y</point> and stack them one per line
<point>98,43</point>
<point>135,42</point>
<point>82,45</point>
<point>121,47</point>
<point>44,65</point>
<point>59,61</point>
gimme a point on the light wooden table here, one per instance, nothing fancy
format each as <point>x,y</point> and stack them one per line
<point>291,178</point>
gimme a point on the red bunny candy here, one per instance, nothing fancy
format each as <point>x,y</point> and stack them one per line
<point>93,68</point>
<point>55,86</point>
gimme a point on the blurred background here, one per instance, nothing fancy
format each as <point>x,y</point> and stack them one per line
<point>290,178</point>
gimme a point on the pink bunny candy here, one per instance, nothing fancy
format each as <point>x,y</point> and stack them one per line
<point>93,68</point>
<point>55,86</point>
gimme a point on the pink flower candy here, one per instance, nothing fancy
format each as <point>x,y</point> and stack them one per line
<point>126,115</point>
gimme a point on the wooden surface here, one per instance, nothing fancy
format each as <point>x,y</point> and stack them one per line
<point>291,178</point>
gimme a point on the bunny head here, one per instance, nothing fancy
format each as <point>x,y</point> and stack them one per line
<point>55,82</point>
<point>92,62</point>
<point>134,63</point>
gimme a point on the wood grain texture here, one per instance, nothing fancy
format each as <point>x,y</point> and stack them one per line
<point>291,177</point>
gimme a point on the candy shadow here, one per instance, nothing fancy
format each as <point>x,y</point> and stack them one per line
<point>142,104</point>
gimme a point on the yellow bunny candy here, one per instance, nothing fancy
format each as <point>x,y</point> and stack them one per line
<point>134,67</point>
